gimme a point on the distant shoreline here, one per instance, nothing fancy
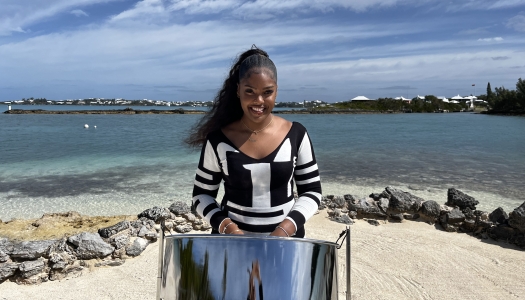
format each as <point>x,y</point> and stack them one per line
<point>130,111</point>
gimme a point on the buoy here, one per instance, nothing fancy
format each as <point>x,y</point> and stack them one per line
<point>86,126</point>
<point>95,126</point>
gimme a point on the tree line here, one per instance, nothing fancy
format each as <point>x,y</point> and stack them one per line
<point>502,100</point>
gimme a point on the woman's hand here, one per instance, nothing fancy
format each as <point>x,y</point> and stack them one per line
<point>285,229</point>
<point>227,226</point>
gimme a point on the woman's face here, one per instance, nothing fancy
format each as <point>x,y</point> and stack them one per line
<point>257,95</point>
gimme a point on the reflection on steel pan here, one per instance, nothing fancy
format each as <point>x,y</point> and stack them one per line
<point>204,266</point>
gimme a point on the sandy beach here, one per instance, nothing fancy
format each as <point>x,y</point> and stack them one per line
<point>409,260</point>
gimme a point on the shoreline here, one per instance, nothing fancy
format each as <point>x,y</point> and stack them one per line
<point>131,111</point>
<point>406,260</point>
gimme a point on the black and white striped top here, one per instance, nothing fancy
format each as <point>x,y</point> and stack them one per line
<point>258,193</point>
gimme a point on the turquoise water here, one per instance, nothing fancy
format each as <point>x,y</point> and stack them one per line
<point>51,163</point>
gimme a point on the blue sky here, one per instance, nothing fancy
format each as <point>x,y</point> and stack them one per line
<point>179,50</point>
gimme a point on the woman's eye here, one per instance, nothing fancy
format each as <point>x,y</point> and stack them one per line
<point>269,92</point>
<point>248,91</point>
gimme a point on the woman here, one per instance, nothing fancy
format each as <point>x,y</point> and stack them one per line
<point>257,154</point>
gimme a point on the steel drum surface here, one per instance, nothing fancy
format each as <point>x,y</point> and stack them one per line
<point>247,267</point>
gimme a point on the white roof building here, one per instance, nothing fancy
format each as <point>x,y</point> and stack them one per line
<point>360,98</point>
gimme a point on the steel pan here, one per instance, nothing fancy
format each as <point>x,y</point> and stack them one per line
<point>205,266</point>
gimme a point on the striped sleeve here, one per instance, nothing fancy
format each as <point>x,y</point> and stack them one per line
<point>207,181</point>
<point>308,184</point>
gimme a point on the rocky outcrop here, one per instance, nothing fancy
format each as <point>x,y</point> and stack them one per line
<point>460,199</point>
<point>517,218</point>
<point>459,214</point>
<point>34,262</point>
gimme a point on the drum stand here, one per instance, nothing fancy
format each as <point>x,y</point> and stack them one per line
<point>346,235</point>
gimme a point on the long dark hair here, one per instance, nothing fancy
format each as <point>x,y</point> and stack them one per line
<point>226,107</point>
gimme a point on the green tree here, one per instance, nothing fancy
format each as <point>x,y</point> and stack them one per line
<point>490,95</point>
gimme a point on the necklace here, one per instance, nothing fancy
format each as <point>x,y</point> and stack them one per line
<point>256,131</point>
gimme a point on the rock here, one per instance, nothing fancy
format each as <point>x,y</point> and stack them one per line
<point>460,199</point>
<point>449,227</point>
<point>151,236</point>
<point>31,268</point>
<point>502,232</point>
<point>375,196</point>
<point>397,217</point>
<point>336,213</point>
<point>73,270</point>
<point>345,219</point>
<point>339,202</point>
<point>90,245</point>
<point>366,207</point>
<point>110,263</point>
<point>190,217</point>
<point>112,230</point>
<point>156,214</point>
<point>469,225</point>
<point>205,225</point>
<point>498,216</point>
<point>31,250</point>
<point>517,218</point>
<point>412,216</point>
<point>430,209</point>
<point>3,257</point>
<point>119,241</point>
<point>136,248</point>
<point>455,216</point>
<point>59,261</point>
<point>484,224</point>
<point>352,214</point>
<point>349,197</point>
<point>183,228</point>
<point>383,204</point>
<point>143,230</point>
<point>7,270</point>
<point>179,208</point>
<point>373,222</point>
<point>5,245</point>
<point>403,202</point>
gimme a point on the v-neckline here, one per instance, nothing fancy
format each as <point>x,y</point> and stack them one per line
<point>265,157</point>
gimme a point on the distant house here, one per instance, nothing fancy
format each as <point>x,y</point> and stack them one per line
<point>420,97</point>
<point>360,98</point>
<point>403,99</point>
<point>444,99</point>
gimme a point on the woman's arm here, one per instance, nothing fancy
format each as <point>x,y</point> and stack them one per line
<point>306,176</point>
<point>206,185</point>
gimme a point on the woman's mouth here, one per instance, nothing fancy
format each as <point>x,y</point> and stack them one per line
<point>257,110</point>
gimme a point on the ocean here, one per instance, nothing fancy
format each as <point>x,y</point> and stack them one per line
<point>51,163</point>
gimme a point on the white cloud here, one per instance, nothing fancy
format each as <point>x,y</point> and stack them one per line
<point>79,13</point>
<point>144,8</point>
<point>517,23</point>
<point>494,39</point>
<point>17,15</point>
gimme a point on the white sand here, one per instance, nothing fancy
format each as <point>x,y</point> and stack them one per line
<point>410,260</point>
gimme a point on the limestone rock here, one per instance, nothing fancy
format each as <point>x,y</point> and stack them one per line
<point>430,209</point>
<point>156,214</point>
<point>460,199</point>
<point>397,217</point>
<point>137,247</point>
<point>403,202</point>
<point>110,263</point>
<point>517,218</point>
<point>502,232</point>
<point>31,267</point>
<point>112,230</point>
<point>183,228</point>
<point>3,257</point>
<point>498,216</point>
<point>383,204</point>
<point>179,208</point>
<point>366,207</point>
<point>345,219</point>
<point>7,270</point>
<point>339,201</point>
<point>119,241</point>
<point>31,250</point>
<point>455,216</point>
<point>90,245</point>
<point>190,217</point>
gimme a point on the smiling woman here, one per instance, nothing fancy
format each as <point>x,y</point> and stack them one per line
<point>258,155</point>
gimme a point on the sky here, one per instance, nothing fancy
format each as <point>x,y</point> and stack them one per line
<point>180,50</point>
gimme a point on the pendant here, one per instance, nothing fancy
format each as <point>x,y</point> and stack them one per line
<point>253,140</point>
